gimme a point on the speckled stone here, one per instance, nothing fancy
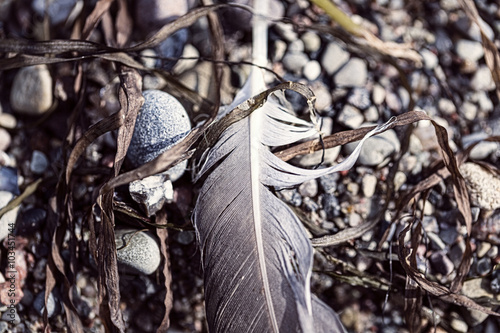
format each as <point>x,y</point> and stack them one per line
<point>162,122</point>
<point>484,187</point>
<point>31,91</point>
<point>137,252</point>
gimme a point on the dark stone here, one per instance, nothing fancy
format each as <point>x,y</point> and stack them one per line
<point>31,221</point>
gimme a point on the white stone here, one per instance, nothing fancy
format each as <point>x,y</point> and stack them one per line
<point>312,70</point>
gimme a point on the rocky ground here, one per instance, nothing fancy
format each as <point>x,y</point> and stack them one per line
<point>443,71</point>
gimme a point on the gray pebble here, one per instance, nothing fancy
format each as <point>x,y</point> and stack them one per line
<point>9,217</point>
<point>31,91</point>
<point>286,31</point>
<point>58,10</point>
<point>3,326</point>
<point>448,233</point>
<point>295,61</point>
<point>162,122</point>
<point>291,196</point>
<point>378,94</point>
<point>311,40</point>
<point>376,149</point>
<point>53,304</point>
<point>309,188</point>
<point>329,182</point>
<point>353,74</point>
<point>430,59</point>
<point>311,70</point>
<point>323,95</point>
<point>469,50</point>
<point>296,46</point>
<point>483,266</point>
<point>482,79</point>
<point>331,205</point>
<point>11,316</point>
<point>333,58</point>
<point>371,114</point>
<point>441,263</point>
<point>350,117</point>
<point>137,252</point>
<point>360,98</point>
<point>185,237</point>
<point>327,157</point>
<point>279,50</point>
<point>430,224</point>
<point>39,162</point>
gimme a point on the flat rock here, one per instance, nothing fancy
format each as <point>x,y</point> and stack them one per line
<point>162,122</point>
<point>31,91</point>
<point>137,252</point>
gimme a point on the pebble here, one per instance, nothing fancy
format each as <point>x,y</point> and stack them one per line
<point>371,114</point>
<point>331,206</point>
<point>296,46</point>
<point>5,139</point>
<point>3,326</point>
<point>482,79</point>
<point>441,263</point>
<point>483,149</point>
<point>9,317</point>
<point>309,188</point>
<point>171,49</point>
<point>312,70</point>
<point>448,233</point>
<point>376,149</point>
<point>360,98</point>
<point>295,61</point>
<point>483,266</point>
<point>459,325</point>
<point>484,187</point>
<point>333,58</point>
<point>58,10</point>
<point>350,117</point>
<point>323,95</point>
<point>279,50</point>
<point>430,59</point>
<point>39,162</point>
<point>446,106</point>
<point>329,182</point>
<point>369,185</point>
<point>326,157</point>
<point>31,220</point>
<point>399,180</point>
<point>150,15</point>
<point>137,252</point>
<point>483,100</point>
<point>353,74</point>
<point>286,31</point>
<point>9,217</point>
<point>469,50</point>
<point>482,249</point>
<point>31,92</point>
<point>152,192</point>
<point>378,94</point>
<point>162,122</point>
<point>8,121</point>
<point>469,111</point>
<point>312,42</point>
<point>184,65</point>
<point>185,237</point>
<point>53,304</point>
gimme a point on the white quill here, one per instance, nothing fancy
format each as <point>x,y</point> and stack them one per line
<point>256,256</point>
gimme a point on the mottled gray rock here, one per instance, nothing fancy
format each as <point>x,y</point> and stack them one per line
<point>350,117</point>
<point>483,186</point>
<point>162,122</point>
<point>309,188</point>
<point>31,91</point>
<point>353,74</point>
<point>311,70</point>
<point>333,58</point>
<point>360,98</point>
<point>39,162</point>
<point>152,192</point>
<point>53,304</point>
<point>137,252</point>
<point>469,50</point>
<point>376,149</point>
<point>9,217</point>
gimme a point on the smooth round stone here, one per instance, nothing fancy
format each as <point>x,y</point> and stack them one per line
<point>350,117</point>
<point>333,58</point>
<point>31,91</point>
<point>5,139</point>
<point>137,252</point>
<point>353,74</point>
<point>8,121</point>
<point>162,122</point>
<point>39,162</point>
<point>312,70</point>
<point>469,50</point>
<point>312,42</point>
<point>482,80</point>
<point>295,61</point>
